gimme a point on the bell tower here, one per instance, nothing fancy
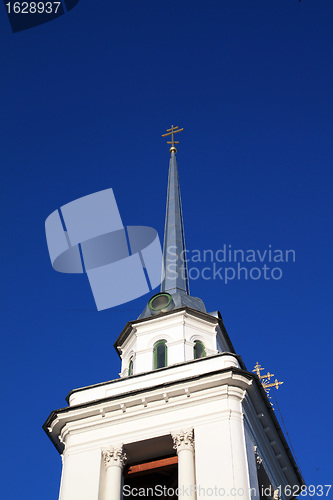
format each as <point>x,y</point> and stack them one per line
<point>161,337</point>
<point>185,418</point>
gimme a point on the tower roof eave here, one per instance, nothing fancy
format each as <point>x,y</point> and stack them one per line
<point>128,329</point>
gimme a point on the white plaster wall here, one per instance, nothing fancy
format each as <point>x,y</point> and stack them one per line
<point>81,475</point>
<point>221,342</point>
<point>220,457</point>
<point>137,425</point>
<point>219,439</point>
<point>212,456</point>
<point>213,406</point>
<point>179,330</point>
<point>144,361</point>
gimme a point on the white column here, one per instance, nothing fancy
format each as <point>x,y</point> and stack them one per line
<point>184,445</point>
<point>114,460</point>
<point>238,453</point>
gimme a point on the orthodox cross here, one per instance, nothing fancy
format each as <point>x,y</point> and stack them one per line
<point>172,131</point>
<point>265,379</point>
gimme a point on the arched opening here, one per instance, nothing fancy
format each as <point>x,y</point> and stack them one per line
<point>160,354</point>
<point>199,350</point>
<point>130,368</point>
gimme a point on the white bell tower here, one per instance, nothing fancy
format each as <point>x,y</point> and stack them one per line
<point>185,418</point>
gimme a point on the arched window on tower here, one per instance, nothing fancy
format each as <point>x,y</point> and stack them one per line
<point>160,354</point>
<point>130,368</point>
<point>199,350</point>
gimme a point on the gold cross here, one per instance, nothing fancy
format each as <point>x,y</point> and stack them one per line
<point>265,379</point>
<point>172,131</point>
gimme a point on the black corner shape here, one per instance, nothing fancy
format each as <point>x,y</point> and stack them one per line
<point>24,15</point>
<point>70,4</point>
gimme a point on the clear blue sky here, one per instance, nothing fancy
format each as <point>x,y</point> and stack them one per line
<point>85,99</point>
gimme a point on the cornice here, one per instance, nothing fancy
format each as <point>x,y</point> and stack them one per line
<point>231,377</point>
<point>228,382</point>
<point>236,381</point>
<point>166,368</point>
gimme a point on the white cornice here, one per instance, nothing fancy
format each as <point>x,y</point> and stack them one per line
<point>128,406</point>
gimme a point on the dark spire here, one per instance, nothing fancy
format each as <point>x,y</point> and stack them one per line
<point>174,250</point>
<point>175,282</point>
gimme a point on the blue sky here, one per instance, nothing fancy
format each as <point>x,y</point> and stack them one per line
<point>85,99</point>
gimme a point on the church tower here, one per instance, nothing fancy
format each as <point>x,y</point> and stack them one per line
<point>185,418</point>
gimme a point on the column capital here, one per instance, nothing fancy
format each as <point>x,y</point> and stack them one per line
<point>114,456</point>
<point>183,440</point>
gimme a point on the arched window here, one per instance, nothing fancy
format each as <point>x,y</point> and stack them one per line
<point>160,354</point>
<point>199,350</point>
<point>130,367</point>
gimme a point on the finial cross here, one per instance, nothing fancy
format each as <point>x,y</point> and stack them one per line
<point>172,131</point>
<point>265,379</point>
